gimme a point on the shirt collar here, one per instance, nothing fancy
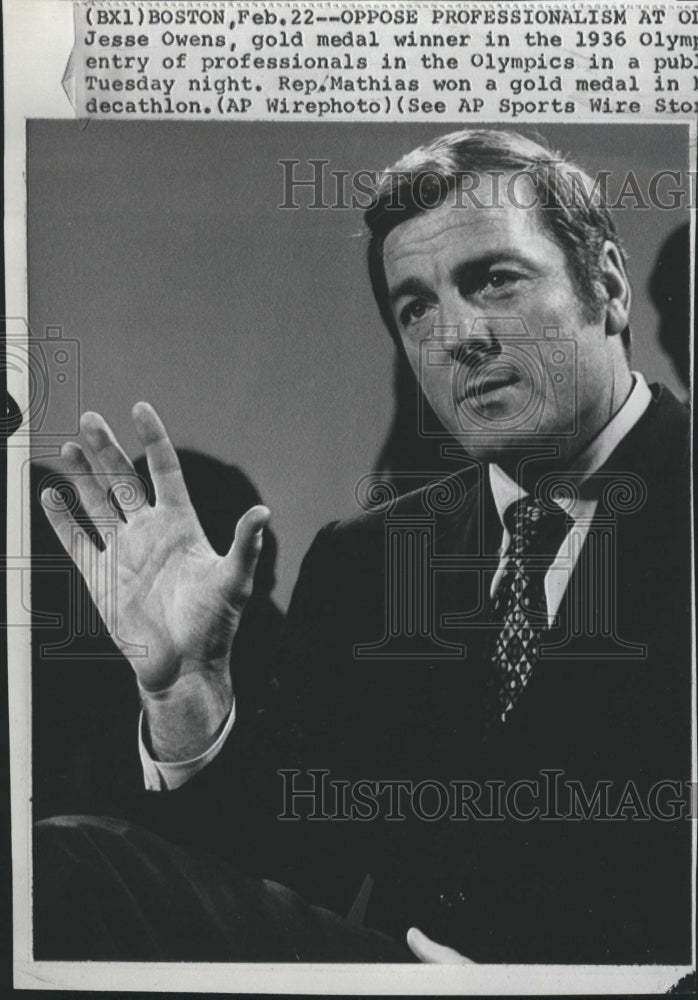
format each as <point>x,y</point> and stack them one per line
<point>506,491</point>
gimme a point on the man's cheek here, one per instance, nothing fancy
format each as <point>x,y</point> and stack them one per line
<point>440,388</point>
<point>412,353</point>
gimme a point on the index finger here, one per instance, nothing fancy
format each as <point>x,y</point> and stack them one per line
<point>163,463</point>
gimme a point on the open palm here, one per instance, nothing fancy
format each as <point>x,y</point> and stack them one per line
<point>171,602</point>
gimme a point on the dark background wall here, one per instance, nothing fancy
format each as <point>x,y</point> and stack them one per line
<point>160,247</point>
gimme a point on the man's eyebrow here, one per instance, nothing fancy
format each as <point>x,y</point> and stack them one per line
<point>410,286</point>
<point>494,257</point>
<point>474,267</point>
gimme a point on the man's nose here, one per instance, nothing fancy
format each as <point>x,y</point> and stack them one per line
<point>470,331</point>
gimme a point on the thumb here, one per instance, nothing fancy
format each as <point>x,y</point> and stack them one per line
<point>241,561</point>
<point>431,953</point>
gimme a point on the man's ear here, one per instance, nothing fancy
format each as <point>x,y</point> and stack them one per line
<point>617,287</point>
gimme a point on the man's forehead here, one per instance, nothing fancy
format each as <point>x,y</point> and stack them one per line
<point>464,227</point>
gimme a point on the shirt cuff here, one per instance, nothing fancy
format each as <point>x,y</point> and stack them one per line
<point>166,776</point>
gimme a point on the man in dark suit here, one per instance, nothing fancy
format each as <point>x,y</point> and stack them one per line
<point>513,642</point>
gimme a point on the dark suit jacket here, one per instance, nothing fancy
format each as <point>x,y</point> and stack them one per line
<point>608,707</point>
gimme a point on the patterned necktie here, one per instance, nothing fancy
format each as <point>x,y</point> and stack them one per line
<point>519,604</point>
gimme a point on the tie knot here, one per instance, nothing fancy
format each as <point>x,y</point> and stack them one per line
<point>534,529</point>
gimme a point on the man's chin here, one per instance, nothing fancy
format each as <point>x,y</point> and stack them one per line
<point>490,454</point>
<point>505,449</point>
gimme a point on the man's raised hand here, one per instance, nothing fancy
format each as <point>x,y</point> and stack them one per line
<point>156,580</point>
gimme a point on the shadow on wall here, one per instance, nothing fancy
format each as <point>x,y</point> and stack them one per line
<point>84,698</point>
<point>669,286</point>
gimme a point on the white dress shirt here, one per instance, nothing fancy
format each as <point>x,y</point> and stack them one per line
<point>581,511</point>
<point>160,775</point>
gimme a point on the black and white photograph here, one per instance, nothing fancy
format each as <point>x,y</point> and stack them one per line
<point>350,562</point>
<point>464,734</point>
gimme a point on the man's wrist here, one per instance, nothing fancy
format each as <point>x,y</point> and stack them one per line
<point>184,720</point>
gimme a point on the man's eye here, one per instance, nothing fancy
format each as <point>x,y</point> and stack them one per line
<point>413,311</point>
<point>499,279</point>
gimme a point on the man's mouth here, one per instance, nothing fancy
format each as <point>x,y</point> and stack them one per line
<point>477,385</point>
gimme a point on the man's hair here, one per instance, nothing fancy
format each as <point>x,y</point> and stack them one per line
<point>569,205</point>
